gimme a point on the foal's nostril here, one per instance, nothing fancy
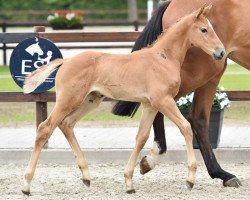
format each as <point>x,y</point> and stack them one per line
<point>222,53</point>
<point>219,53</point>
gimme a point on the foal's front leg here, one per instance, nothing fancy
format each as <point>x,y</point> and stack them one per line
<point>148,115</point>
<point>168,107</point>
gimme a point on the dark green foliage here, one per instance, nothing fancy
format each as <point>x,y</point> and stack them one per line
<point>53,5</point>
<point>59,22</point>
<point>62,22</point>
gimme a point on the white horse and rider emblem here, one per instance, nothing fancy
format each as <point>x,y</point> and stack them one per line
<point>35,49</point>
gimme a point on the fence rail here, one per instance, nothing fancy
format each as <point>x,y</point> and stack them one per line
<point>86,23</point>
<point>66,37</point>
<point>41,100</point>
<point>72,36</point>
<point>233,95</point>
<point>33,97</point>
<point>86,12</point>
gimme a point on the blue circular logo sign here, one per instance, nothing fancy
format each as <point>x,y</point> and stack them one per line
<point>28,56</point>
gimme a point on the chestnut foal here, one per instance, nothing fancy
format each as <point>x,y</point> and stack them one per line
<point>150,76</point>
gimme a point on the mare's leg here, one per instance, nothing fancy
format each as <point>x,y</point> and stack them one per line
<point>91,102</point>
<point>159,147</point>
<point>168,107</point>
<point>148,115</point>
<point>199,120</point>
<point>159,131</point>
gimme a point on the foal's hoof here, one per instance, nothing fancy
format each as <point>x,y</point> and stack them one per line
<point>233,182</point>
<point>144,166</point>
<point>131,191</point>
<point>189,185</point>
<point>26,192</point>
<point>86,182</point>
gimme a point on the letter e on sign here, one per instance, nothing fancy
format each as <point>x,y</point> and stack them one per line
<point>26,64</point>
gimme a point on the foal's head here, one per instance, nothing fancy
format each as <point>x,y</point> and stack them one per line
<point>202,34</point>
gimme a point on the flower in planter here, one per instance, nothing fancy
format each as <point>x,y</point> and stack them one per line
<point>66,19</point>
<point>221,100</point>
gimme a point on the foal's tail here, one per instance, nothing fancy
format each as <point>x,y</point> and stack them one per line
<point>149,34</point>
<point>37,77</point>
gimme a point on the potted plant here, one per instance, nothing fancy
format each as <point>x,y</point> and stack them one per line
<point>220,102</point>
<point>66,20</point>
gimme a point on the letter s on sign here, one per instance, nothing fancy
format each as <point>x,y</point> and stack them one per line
<point>37,62</point>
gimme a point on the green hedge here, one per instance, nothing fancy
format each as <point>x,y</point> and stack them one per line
<point>53,5</point>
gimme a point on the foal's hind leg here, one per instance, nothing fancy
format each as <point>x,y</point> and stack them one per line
<point>159,149</point>
<point>62,108</point>
<point>168,107</point>
<point>148,115</point>
<point>44,132</point>
<point>91,102</point>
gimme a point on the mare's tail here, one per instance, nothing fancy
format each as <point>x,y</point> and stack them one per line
<point>149,34</point>
<point>37,77</point>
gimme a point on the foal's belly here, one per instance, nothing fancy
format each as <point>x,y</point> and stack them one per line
<point>120,92</point>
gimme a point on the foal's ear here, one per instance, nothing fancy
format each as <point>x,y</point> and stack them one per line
<point>207,9</point>
<point>204,10</point>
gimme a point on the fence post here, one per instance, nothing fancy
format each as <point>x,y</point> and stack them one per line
<point>4,54</point>
<point>4,45</point>
<point>39,28</point>
<point>136,25</point>
<point>41,112</point>
<point>132,10</point>
<point>41,107</point>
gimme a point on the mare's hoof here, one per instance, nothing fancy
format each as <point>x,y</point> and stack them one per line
<point>26,192</point>
<point>131,191</point>
<point>233,182</point>
<point>86,182</point>
<point>144,166</point>
<point>189,185</point>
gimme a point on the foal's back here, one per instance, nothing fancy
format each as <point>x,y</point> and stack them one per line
<point>118,76</point>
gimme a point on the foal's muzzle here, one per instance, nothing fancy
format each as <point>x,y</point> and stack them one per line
<point>219,53</point>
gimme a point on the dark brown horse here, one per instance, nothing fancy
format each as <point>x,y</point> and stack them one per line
<point>231,21</point>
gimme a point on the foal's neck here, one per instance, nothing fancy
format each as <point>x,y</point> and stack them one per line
<point>175,42</point>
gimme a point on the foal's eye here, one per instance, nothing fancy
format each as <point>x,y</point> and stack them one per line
<point>203,30</point>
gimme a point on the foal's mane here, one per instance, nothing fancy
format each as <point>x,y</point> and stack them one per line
<point>165,31</point>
